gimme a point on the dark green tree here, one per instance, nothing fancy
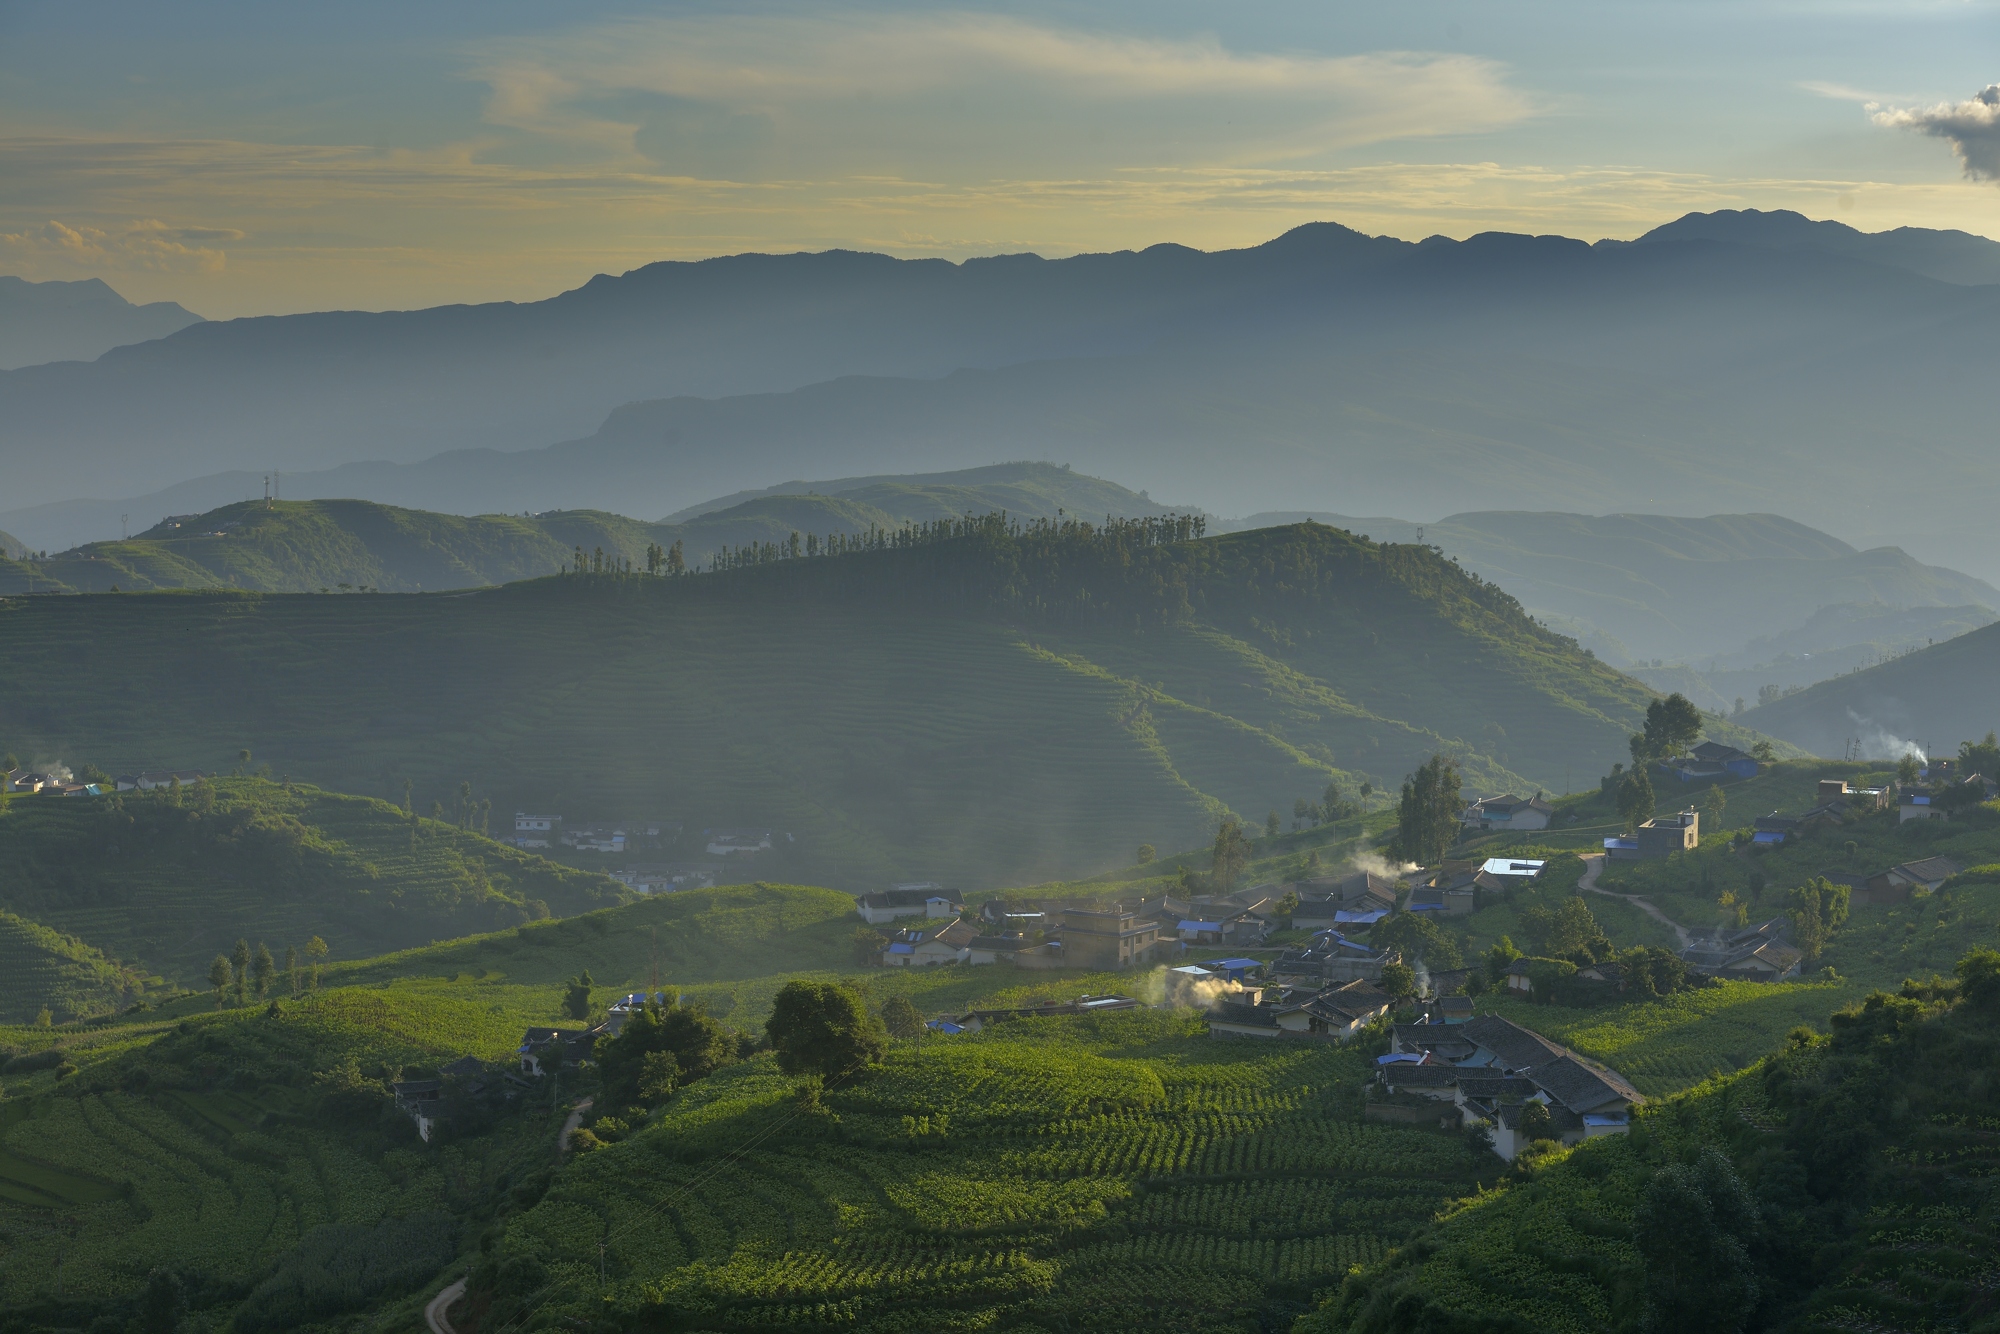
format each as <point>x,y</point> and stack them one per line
<point>1399,980</point>
<point>822,1028</point>
<point>292,969</point>
<point>315,951</point>
<point>1818,909</point>
<point>1272,825</point>
<point>1227,857</point>
<point>1982,757</point>
<point>576,995</point>
<point>1498,960</point>
<point>239,961</point>
<point>676,559</point>
<point>162,1303</point>
<point>219,975</point>
<point>263,968</point>
<point>1419,938</point>
<point>1147,852</point>
<point>1535,1122</point>
<point>1672,724</point>
<point>901,1018</point>
<point>1635,799</point>
<point>1429,816</point>
<point>1693,1227</point>
<point>697,1044</point>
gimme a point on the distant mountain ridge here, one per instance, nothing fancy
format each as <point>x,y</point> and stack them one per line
<point>295,546</point>
<point>76,321</point>
<point>1760,371</point>
<point>1935,697</point>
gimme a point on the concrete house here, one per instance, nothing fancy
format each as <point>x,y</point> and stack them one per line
<point>1927,876</point>
<point>1103,939</point>
<point>1917,806</point>
<point>1659,837</point>
<point>928,948</point>
<point>1508,812</point>
<point>1761,953</point>
<point>918,900</point>
<point>532,831</point>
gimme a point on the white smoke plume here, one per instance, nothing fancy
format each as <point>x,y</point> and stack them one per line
<point>1971,127</point>
<point>1164,987</point>
<point>1879,743</point>
<point>1376,864</point>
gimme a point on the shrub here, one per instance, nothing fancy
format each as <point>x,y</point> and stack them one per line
<point>342,1267</point>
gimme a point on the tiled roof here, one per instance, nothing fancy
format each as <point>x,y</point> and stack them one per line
<point>1929,869</point>
<point>1515,1047</point>
<point>1244,1015</point>
<point>1581,1087</point>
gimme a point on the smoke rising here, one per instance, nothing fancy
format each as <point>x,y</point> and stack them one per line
<point>1971,127</point>
<point>1879,743</point>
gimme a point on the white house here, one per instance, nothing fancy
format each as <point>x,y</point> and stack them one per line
<point>920,900</point>
<point>725,843</point>
<point>530,831</point>
<point>1508,812</point>
<point>929,948</point>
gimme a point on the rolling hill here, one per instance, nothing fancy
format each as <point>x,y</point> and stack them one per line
<point>1935,697</point>
<point>316,546</point>
<point>965,702</point>
<point>1638,587</point>
<point>1743,367</point>
<point>76,321</point>
<point>161,885</point>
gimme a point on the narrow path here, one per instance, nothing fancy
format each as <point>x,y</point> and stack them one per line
<point>434,1314</point>
<point>1594,864</point>
<point>569,1126</point>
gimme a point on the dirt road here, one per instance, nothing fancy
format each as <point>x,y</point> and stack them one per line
<point>1594,864</point>
<point>434,1313</point>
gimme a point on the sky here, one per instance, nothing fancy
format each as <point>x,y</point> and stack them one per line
<point>250,158</point>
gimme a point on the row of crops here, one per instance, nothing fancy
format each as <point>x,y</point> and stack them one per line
<point>1072,1169</point>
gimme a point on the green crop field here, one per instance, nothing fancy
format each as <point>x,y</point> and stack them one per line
<point>1121,1172</point>
<point>161,884</point>
<point>989,709</point>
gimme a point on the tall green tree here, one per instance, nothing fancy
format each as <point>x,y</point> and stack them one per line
<point>901,1018</point>
<point>239,960</point>
<point>1981,757</point>
<point>1672,726</point>
<point>576,995</point>
<point>263,968</point>
<point>1430,814</point>
<point>1694,1227</point>
<point>1635,799</point>
<point>659,1049</point>
<point>1272,825</point>
<point>219,975</point>
<point>315,952</point>
<point>822,1028</point>
<point>292,968</point>
<point>1818,909</point>
<point>1227,857</point>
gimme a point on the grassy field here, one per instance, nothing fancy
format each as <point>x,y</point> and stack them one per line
<point>161,886</point>
<point>927,713</point>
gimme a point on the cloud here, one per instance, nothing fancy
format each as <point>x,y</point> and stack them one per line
<point>931,79</point>
<point>1972,127</point>
<point>145,244</point>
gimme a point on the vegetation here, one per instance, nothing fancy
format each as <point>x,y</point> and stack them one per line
<point>982,703</point>
<point>1842,1182</point>
<point>164,880</point>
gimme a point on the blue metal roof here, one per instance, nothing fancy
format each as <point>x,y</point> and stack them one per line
<point>1234,964</point>
<point>1191,925</point>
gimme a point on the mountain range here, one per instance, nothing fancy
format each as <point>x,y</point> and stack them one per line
<point>1727,361</point>
<point>76,321</point>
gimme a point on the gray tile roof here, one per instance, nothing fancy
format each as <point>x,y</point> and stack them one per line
<point>1582,1087</point>
<point>1515,1047</point>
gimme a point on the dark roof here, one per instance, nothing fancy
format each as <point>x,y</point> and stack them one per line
<point>1929,869</point>
<point>1490,1084</point>
<point>1446,1041</point>
<point>464,1066</point>
<point>1247,1016</point>
<point>1714,752</point>
<point>1420,1076</point>
<point>1582,1087</point>
<point>1515,1047</point>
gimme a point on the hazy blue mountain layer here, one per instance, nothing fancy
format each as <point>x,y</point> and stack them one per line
<point>1763,371</point>
<point>1936,697</point>
<point>76,321</point>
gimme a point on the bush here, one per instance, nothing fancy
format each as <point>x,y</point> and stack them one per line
<point>343,1267</point>
<point>33,1061</point>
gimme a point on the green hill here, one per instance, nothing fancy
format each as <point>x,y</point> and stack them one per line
<point>164,885</point>
<point>318,546</point>
<point>1851,1172</point>
<point>993,707</point>
<point>1640,587</point>
<point>1935,697</point>
<point>40,967</point>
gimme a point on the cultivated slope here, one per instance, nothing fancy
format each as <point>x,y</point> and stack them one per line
<point>992,709</point>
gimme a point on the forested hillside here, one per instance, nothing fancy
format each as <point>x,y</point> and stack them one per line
<point>321,546</point>
<point>162,882</point>
<point>991,706</point>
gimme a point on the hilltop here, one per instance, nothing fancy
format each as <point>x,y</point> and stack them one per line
<point>292,546</point>
<point>1738,589</point>
<point>992,708</point>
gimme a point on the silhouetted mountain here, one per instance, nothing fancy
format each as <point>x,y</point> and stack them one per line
<point>1949,256</point>
<point>1350,372</point>
<point>76,321</point>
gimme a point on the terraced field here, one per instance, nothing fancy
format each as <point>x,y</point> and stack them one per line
<point>1125,1172</point>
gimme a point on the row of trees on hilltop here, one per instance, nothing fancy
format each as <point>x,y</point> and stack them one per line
<point>243,974</point>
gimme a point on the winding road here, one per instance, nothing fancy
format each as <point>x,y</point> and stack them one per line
<point>1594,864</point>
<point>435,1314</point>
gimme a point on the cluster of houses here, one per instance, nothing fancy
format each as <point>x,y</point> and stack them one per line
<point>60,782</point>
<point>1464,1070</point>
<point>546,831</point>
<point>423,1100</point>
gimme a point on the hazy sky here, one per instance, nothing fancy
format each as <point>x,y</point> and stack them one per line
<point>253,157</point>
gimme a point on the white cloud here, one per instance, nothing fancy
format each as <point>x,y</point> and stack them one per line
<point>144,244</point>
<point>1972,127</point>
<point>816,78</point>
